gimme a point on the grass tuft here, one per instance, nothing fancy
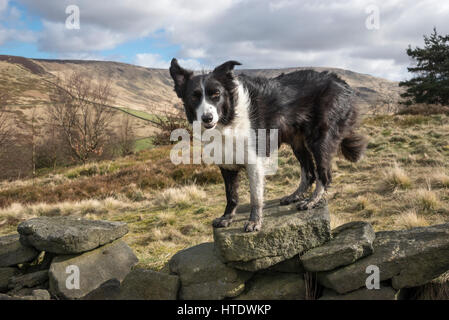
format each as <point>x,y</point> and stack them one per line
<point>396,178</point>
<point>440,179</point>
<point>427,200</point>
<point>410,219</point>
<point>181,197</point>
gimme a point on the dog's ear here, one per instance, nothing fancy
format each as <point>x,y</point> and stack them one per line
<point>180,76</point>
<point>226,67</point>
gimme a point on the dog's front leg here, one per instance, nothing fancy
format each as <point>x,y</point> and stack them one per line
<point>231,180</point>
<point>256,178</point>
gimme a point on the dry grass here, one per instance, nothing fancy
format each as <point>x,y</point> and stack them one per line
<point>396,178</point>
<point>437,289</point>
<point>337,220</point>
<point>312,287</point>
<point>183,196</point>
<point>424,109</point>
<point>77,208</point>
<point>440,179</point>
<point>427,200</point>
<point>50,180</point>
<point>410,219</point>
<point>150,171</point>
<point>362,203</point>
<point>162,220</point>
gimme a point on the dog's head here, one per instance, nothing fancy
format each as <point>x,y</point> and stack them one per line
<point>209,98</point>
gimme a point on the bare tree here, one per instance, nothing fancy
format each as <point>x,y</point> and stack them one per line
<point>126,136</point>
<point>80,110</point>
<point>51,149</point>
<point>167,122</point>
<point>32,137</point>
<point>6,129</point>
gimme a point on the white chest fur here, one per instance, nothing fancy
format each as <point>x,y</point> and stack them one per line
<point>237,140</point>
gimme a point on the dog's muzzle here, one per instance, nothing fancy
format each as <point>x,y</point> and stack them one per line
<point>207,119</point>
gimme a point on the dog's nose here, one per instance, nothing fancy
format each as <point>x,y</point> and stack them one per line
<point>207,117</point>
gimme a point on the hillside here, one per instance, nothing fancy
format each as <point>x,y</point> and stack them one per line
<point>150,90</point>
<point>135,88</point>
<point>373,95</point>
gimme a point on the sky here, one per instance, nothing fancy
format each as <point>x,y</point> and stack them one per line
<point>364,36</point>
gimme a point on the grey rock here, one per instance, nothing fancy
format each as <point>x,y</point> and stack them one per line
<point>165,269</point>
<point>28,280</point>
<point>111,261</point>
<point>35,295</point>
<point>383,293</point>
<point>6,297</point>
<point>292,265</point>
<point>409,257</point>
<point>275,286</point>
<point>110,290</point>
<point>12,252</point>
<point>286,232</point>
<point>204,276</point>
<point>69,235</point>
<point>40,294</point>
<point>256,264</point>
<point>143,284</point>
<point>349,243</point>
<point>27,291</point>
<point>5,275</point>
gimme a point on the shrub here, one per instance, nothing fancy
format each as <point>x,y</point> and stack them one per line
<point>424,110</point>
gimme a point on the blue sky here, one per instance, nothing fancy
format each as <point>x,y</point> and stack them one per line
<point>364,36</point>
<point>125,52</point>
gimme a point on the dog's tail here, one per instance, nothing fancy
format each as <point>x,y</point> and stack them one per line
<point>353,147</point>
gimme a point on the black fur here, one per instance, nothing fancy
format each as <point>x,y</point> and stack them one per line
<point>314,113</point>
<point>187,87</point>
<point>231,181</point>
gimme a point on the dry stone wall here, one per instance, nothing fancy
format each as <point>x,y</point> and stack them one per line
<point>69,258</point>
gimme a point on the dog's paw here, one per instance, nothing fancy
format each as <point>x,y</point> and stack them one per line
<point>306,204</point>
<point>311,203</point>
<point>251,226</point>
<point>290,199</point>
<point>222,222</point>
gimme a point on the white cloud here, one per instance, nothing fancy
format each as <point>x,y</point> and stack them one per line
<point>114,22</point>
<point>154,60</point>
<point>151,60</point>
<point>3,5</point>
<point>9,24</point>
<point>57,38</point>
<point>271,33</point>
<point>7,35</point>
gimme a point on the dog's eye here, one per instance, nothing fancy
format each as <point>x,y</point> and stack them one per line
<point>215,94</point>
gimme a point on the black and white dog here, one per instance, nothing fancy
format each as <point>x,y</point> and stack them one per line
<point>312,111</point>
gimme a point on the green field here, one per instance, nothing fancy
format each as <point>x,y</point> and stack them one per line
<point>138,114</point>
<point>143,144</point>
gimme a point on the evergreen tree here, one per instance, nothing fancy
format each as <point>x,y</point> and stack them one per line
<point>430,84</point>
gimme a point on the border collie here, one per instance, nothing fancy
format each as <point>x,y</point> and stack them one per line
<point>313,113</point>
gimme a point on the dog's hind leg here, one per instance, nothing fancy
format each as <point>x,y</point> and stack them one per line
<point>307,174</point>
<point>322,151</point>
<point>231,179</point>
